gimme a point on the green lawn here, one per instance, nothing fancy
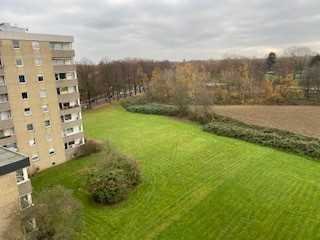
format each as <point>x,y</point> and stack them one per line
<point>195,185</point>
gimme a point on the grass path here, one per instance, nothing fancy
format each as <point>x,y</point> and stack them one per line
<point>195,185</point>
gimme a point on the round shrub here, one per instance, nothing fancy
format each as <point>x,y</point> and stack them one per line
<point>109,187</point>
<point>112,182</point>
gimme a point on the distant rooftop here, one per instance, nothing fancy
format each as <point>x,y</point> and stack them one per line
<point>11,161</point>
<point>12,32</point>
<point>7,27</point>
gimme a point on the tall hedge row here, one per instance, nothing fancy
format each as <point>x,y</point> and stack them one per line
<point>284,140</point>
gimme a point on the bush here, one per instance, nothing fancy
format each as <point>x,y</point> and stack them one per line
<point>136,100</point>
<point>154,108</point>
<point>266,136</point>
<point>202,115</point>
<point>112,181</point>
<point>57,214</point>
<point>90,147</point>
<point>109,187</point>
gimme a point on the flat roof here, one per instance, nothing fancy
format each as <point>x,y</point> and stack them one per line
<point>11,35</point>
<point>11,161</point>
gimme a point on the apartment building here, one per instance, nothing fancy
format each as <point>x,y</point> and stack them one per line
<point>40,113</point>
<point>15,191</point>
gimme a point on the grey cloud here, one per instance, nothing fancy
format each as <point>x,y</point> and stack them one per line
<point>171,29</point>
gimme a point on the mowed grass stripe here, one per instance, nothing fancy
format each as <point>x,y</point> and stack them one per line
<point>195,185</point>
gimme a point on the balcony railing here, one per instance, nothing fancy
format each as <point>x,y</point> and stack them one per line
<point>71,134</point>
<point>25,204</point>
<point>1,69</point>
<point>74,146</point>
<point>69,107</point>
<point>71,120</point>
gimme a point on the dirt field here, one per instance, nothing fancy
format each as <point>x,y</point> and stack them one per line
<point>299,119</point>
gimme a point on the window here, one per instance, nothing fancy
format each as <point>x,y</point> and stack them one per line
<point>15,44</point>
<point>30,127</point>
<point>45,108</point>
<point>19,62</point>
<point>69,131</point>
<point>24,95</point>
<point>60,76</point>
<point>71,144</point>
<point>40,78</point>
<point>43,93</point>
<point>34,158</point>
<point>60,46</point>
<point>2,82</point>
<point>66,105</point>
<point>21,175</point>
<point>22,79</point>
<point>47,123</point>
<point>35,45</point>
<point>6,133</point>
<point>51,151</point>
<point>68,117</point>
<point>64,90</point>
<point>38,61</point>
<point>32,142</point>
<point>27,112</point>
<point>25,201</point>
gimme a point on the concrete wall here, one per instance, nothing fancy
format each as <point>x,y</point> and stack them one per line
<point>9,198</point>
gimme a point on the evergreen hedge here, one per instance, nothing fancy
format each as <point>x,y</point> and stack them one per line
<point>276,138</point>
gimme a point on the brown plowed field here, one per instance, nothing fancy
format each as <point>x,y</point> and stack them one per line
<point>304,120</point>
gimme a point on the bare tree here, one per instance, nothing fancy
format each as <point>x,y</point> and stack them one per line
<point>87,80</point>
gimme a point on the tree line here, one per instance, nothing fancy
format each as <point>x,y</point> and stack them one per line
<point>293,77</point>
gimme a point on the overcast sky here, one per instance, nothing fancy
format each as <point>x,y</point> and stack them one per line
<point>172,29</point>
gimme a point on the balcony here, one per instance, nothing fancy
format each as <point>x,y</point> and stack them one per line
<point>64,68</point>
<point>7,140</point>
<point>25,188</point>
<point>25,201</point>
<point>71,152</point>
<point>3,89</point>
<point>66,83</point>
<point>70,110</point>
<point>73,136</point>
<point>62,53</point>
<point>6,124</point>
<point>72,123</point>
<point>68,97</point>
<point>4,106</point>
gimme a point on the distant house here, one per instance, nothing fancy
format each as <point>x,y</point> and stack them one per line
<point>15,191</point>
